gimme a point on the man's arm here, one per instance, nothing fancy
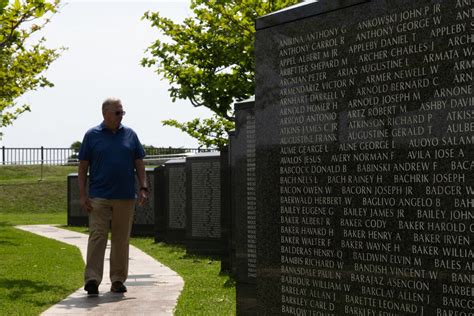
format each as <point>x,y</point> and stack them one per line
<point>141,174</point>
<point>82,176</point>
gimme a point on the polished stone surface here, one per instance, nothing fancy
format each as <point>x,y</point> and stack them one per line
<point>75,215</point>
<point>365,190</point>
<point>160,204</point>
<point>301,11</point>
<point>244,188</point>
<point>175,200</point>
<point>144,216</point>
<point>203,204</point>
<point>227,225</point>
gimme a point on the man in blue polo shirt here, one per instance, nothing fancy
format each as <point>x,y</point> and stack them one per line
<point>112,154</point>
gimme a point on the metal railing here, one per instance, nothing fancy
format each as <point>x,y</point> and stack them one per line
<point>68,156</point>
<point>35,156</point>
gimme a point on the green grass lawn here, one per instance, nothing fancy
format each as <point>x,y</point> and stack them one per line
<point>35,272</point>
<point>205,292</point>
<point>25,193</point>
<point>29,201</point>
<point>34,173</point>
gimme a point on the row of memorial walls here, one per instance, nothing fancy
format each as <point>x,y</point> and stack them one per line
<point>242,152</point>
<point>203,204</point>
<point>364,158</point>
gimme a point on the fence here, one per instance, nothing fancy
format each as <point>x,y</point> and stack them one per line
<point>68,156</point>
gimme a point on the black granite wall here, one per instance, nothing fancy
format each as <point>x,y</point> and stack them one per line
<point>159,202</point>
<point>144,216</point>
<point>203,204</point>
<point>232,242</point>
<point>365,192</point>
<point>226,212</point>
<point>244,187</point>
<point>75,215</point>
<point>175,200</point>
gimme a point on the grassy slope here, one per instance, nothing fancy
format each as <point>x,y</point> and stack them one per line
<point>21,192</point>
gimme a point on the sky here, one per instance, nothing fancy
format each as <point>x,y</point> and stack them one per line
<point>106,40</point>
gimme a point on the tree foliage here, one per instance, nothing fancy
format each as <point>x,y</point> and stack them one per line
<point>22,62</point>
<point>76,146</point>
<point>209,59</point>
<point>210,133</point>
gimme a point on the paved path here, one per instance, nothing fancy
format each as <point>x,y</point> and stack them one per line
<point>153,288</point>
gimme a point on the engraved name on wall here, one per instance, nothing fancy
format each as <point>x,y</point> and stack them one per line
<point>206,201</point>
<point>376,122</point>
<point>176,197</point>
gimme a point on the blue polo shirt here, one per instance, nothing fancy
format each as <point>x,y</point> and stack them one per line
<point>111,161</point>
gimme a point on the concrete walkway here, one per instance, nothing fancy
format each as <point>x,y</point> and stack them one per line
<point>153,288</point>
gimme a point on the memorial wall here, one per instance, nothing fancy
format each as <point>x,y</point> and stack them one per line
<point>364,159</point>
<point>244,188</point>
<point>229,215</point>
<point>144,216</point>
<point>203,204</point>
<point>227,229</point>
<point>243,152</point>
<point>175,195</point>
<point>76,216</point>
<point>159,204</point>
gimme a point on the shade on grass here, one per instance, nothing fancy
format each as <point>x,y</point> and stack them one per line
<point>35,272</point>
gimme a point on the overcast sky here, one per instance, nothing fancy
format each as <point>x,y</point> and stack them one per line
<point>106,40</point>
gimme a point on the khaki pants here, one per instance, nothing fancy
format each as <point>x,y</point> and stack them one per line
<point>120,212</point>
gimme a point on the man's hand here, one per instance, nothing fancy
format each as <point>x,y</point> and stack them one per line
<point>143,192</point>
<point>86,204</point>
<point>142,197</point>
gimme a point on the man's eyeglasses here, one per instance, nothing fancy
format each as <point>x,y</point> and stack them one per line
<point>119,113</point>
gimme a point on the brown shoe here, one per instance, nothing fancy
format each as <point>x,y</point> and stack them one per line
<point>118,287</point>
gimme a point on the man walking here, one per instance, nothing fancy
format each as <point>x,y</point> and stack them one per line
<point>111,153</point>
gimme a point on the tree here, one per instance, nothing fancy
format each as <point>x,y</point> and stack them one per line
<point>209,60</point>
<point>211,132</point>
<point>21,62</point>
<point>76,146</point>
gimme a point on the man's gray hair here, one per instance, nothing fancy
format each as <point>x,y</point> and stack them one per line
<point>110,101</point>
